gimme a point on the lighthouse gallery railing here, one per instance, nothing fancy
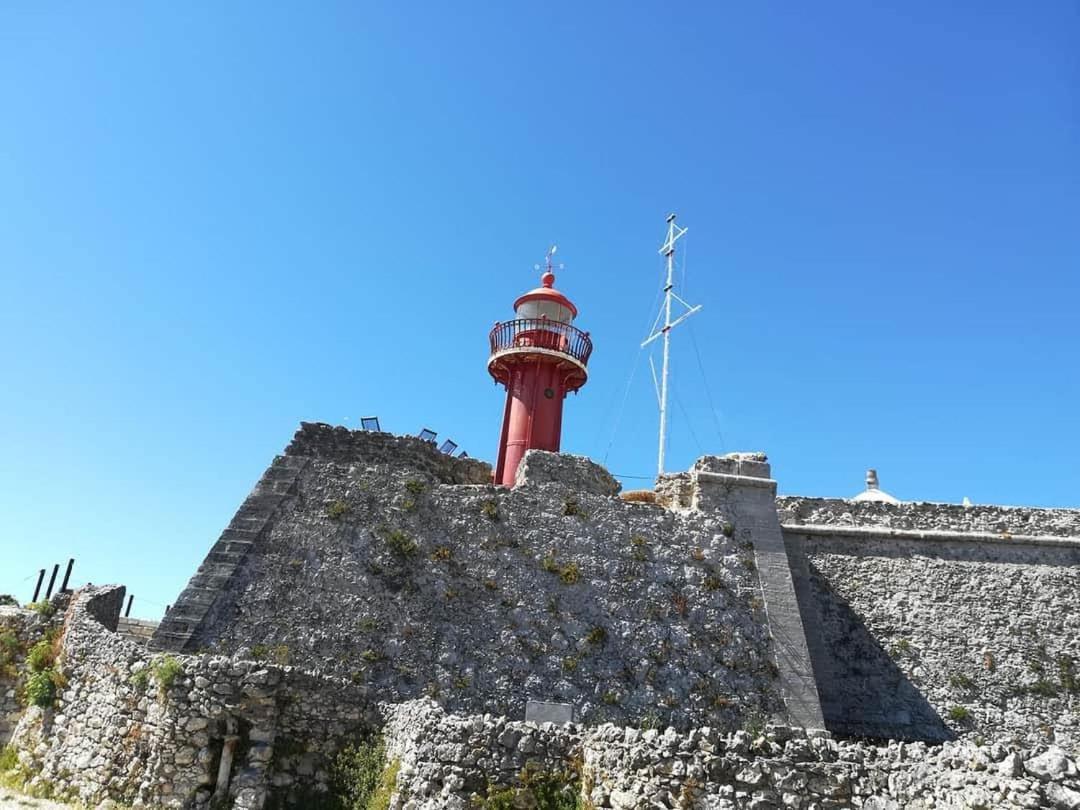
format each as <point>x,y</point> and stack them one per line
<point>541,333</point>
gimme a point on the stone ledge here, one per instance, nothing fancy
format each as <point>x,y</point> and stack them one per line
<point>753,465</point>
<point>930,516</point>
<point>883,532</point>
<point>736,480</point>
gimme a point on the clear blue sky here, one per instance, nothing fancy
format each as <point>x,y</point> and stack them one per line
<point>217,220</point>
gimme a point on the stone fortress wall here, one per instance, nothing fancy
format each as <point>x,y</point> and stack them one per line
<point>926,621</point>
<point>371,583</point>
<point>399,571</point>
<point>131,727</point>
<point>444,760</point>
<point>270,730</point>
<point>19,629</point>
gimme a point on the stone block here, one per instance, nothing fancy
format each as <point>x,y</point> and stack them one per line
<point>752,465</point>
<point>576,473</point>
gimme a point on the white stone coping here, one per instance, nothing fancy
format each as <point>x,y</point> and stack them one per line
<point>878,532</point>
<point>734,480</point>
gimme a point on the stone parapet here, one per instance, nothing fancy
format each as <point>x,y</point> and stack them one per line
<point>930,517</point>
<point>857,533</point>
<point>339,444</point>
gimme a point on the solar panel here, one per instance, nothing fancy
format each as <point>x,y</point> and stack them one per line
<point>427,435</point>
<point>370,423</point>
<point>448,447</point>
<point>463,454</point>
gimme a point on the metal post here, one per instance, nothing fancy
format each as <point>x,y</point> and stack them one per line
<point>668,251</point>
<point>67,575</point>
<point>667,343</point>
<point>37,588</point>
<point>128,611</point>
<point>52,581</point>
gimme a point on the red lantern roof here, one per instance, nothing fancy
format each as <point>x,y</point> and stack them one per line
<point>547,293</point>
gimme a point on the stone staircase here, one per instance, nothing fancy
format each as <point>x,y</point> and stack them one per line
<point>138,630</point>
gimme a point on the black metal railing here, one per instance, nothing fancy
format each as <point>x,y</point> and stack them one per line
<point>541,333</point>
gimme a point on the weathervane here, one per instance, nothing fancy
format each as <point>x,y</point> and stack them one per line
<point>549,267</point>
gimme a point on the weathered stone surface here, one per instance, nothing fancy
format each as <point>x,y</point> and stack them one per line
<point>915,516</point>
<point>753,465</point>
<point>575,473</point>
<point>116,737</point>
<point>339,444</point>
<point>20,630</point>
<point>1051,764</point>
<point>370,568</point>
<point>103,745</point>
<point>921,639</point>
<point>620,768</point>
<point>486,597</point>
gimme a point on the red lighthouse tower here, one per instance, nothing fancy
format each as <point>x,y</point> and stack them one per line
<point>539,357</point>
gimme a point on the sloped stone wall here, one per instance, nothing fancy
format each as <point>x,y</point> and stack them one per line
<point>483,597</point>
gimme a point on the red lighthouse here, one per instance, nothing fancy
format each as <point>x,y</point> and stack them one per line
<point>539,357</point>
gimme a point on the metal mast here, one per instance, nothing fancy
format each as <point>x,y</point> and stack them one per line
<point>668,251</point>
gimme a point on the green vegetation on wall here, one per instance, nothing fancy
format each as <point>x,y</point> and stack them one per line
<point>538,789</point>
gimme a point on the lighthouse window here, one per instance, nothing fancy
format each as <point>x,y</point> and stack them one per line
<point>540,309</point>
<point>549,393</point>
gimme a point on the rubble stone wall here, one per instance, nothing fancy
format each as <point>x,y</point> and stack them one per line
<point>132,727</point>
<point>387,574</point>
<point>361,579</point>
<point>19,631</point>
<point>447,761</point>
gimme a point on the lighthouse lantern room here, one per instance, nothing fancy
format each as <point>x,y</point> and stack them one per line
<point>539,357</point>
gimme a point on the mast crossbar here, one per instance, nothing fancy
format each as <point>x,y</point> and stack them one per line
<point>667,250</point>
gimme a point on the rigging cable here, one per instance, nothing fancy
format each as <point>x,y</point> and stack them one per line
<point>708,393</point>
<point>686,416</point>
<point>629,383</point>
<point>701,365</point>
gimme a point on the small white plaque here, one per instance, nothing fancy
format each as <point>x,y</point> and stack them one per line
<point>539,711</point>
